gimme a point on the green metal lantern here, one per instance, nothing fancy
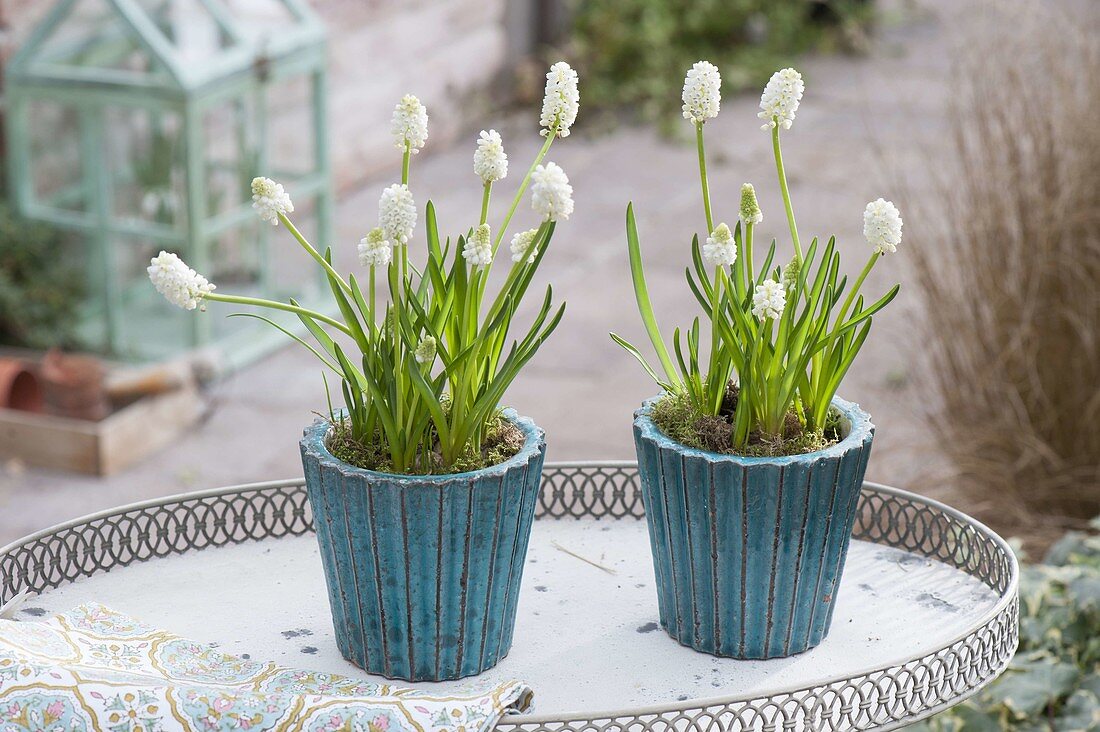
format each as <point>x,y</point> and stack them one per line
<point>138,125</point>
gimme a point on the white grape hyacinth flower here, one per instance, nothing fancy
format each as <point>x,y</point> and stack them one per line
<point>478,250</point>
<point>882,226</point>
<point>490,160</point>
<point>750,209</point>
<point>270,199</point>
<point>425,352</point>
<point>780,99</point>
<point>521,242</point>
<point>702,93</point>
<point>374,250</point>
<point>720,249</point>
<point>561,100</point>
<point>409,124</point>
<point>551,194</point>
<point>397,214</point>
<point>180,285</point>
<point>769,300</point>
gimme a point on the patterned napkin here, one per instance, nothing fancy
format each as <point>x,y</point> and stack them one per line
<point>95,669</point>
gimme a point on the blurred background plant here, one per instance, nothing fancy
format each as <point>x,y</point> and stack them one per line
<point>632,53</point>
<point>1010,288</point>
<point>40,289</point>
<point>1053,683</point>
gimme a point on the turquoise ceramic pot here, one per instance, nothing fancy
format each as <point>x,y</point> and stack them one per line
<point>748,552</point>
<point>423,572</point>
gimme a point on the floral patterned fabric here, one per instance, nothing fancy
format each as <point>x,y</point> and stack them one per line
<point>96,669</point>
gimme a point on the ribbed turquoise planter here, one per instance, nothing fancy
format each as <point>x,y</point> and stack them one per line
<point>748,552</point>
<point>423,572</point>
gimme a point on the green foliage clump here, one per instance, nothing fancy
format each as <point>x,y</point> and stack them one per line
<point>633,53</point>
<point>1053,683</point>
<point>40,288</point>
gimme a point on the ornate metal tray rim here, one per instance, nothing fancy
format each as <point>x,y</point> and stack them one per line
<point>783,702</point>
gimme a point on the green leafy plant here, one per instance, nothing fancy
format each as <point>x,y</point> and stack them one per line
<point>785,336</point>
<point>633,52</point>
<point>41,289</point>
<point>425,370</point>
<point>1053,682</point>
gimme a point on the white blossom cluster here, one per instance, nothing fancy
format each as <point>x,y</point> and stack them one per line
<point>791,273</point>
<point>425,351</point>
<point>769,300</point>
<point>551,194</point>
<point>397,214</point>
<point>478,250</point>
<point>702,93</point>
<point>561,100</point>
<point>882,226</point>
<point>374,250</point>
<point>521,242</point>
<point>490,160</point>
<point>720,249</point>
<point>780,99</point>
<point>409,124</point>
<point>180,285</point>
<point>270,199</point>
<point>750,209</point>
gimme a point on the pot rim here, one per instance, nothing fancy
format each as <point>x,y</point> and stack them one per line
<point>860,430</point>
<point>314,438</point>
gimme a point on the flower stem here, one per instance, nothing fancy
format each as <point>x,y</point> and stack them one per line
<point>314,253</point>
<point>703,176</point>
<point>750,273</point>
<point>405,159</point>
<point>550,135</point>
<point>275,305</point>
<point>855,288</point>
<point>485,201</point>
<point>786,193</point>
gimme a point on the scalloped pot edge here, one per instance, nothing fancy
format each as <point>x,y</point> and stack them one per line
<point>423,572</point>
<point>748,551</point>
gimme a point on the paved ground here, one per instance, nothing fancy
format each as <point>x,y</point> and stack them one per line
<point>582,388</point>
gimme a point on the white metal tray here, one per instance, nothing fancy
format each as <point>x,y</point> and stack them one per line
<point>926,614</point>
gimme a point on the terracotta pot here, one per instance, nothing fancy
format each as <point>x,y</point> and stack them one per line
<point>73,386</point>
<point>19,387</point>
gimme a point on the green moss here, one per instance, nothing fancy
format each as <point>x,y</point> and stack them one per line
<point>501,440</point>
<point>679,419</point>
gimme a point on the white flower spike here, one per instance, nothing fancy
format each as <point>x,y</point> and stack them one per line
<point>791,273</point>
<point>270,199</point>
<point>702,92</point>
<point>769,300</point>
<point>520,244</point>
<point>750,210</point>
<point>490,160</point>
<point>397,214</point>
<point>882,226</point>
<point>720,249</point>
<point>180,285</point>
<point>409,124</point>
<point>780,99</point>
<point>478,250</point>
<point>551,194</point>
<point>561,100</point>
<point>425,352</point>
<point>374,250</point>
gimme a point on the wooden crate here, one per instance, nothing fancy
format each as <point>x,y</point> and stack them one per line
<point>98,448</point>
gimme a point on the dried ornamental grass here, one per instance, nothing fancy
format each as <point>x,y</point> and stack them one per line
<point>1012,288</point>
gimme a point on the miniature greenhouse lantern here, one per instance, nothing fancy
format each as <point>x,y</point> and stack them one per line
<point>138,125</point>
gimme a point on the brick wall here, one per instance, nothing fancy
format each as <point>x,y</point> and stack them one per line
<point>447,52</point>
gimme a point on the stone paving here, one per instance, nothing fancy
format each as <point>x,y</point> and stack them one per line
<point>857,113</point>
